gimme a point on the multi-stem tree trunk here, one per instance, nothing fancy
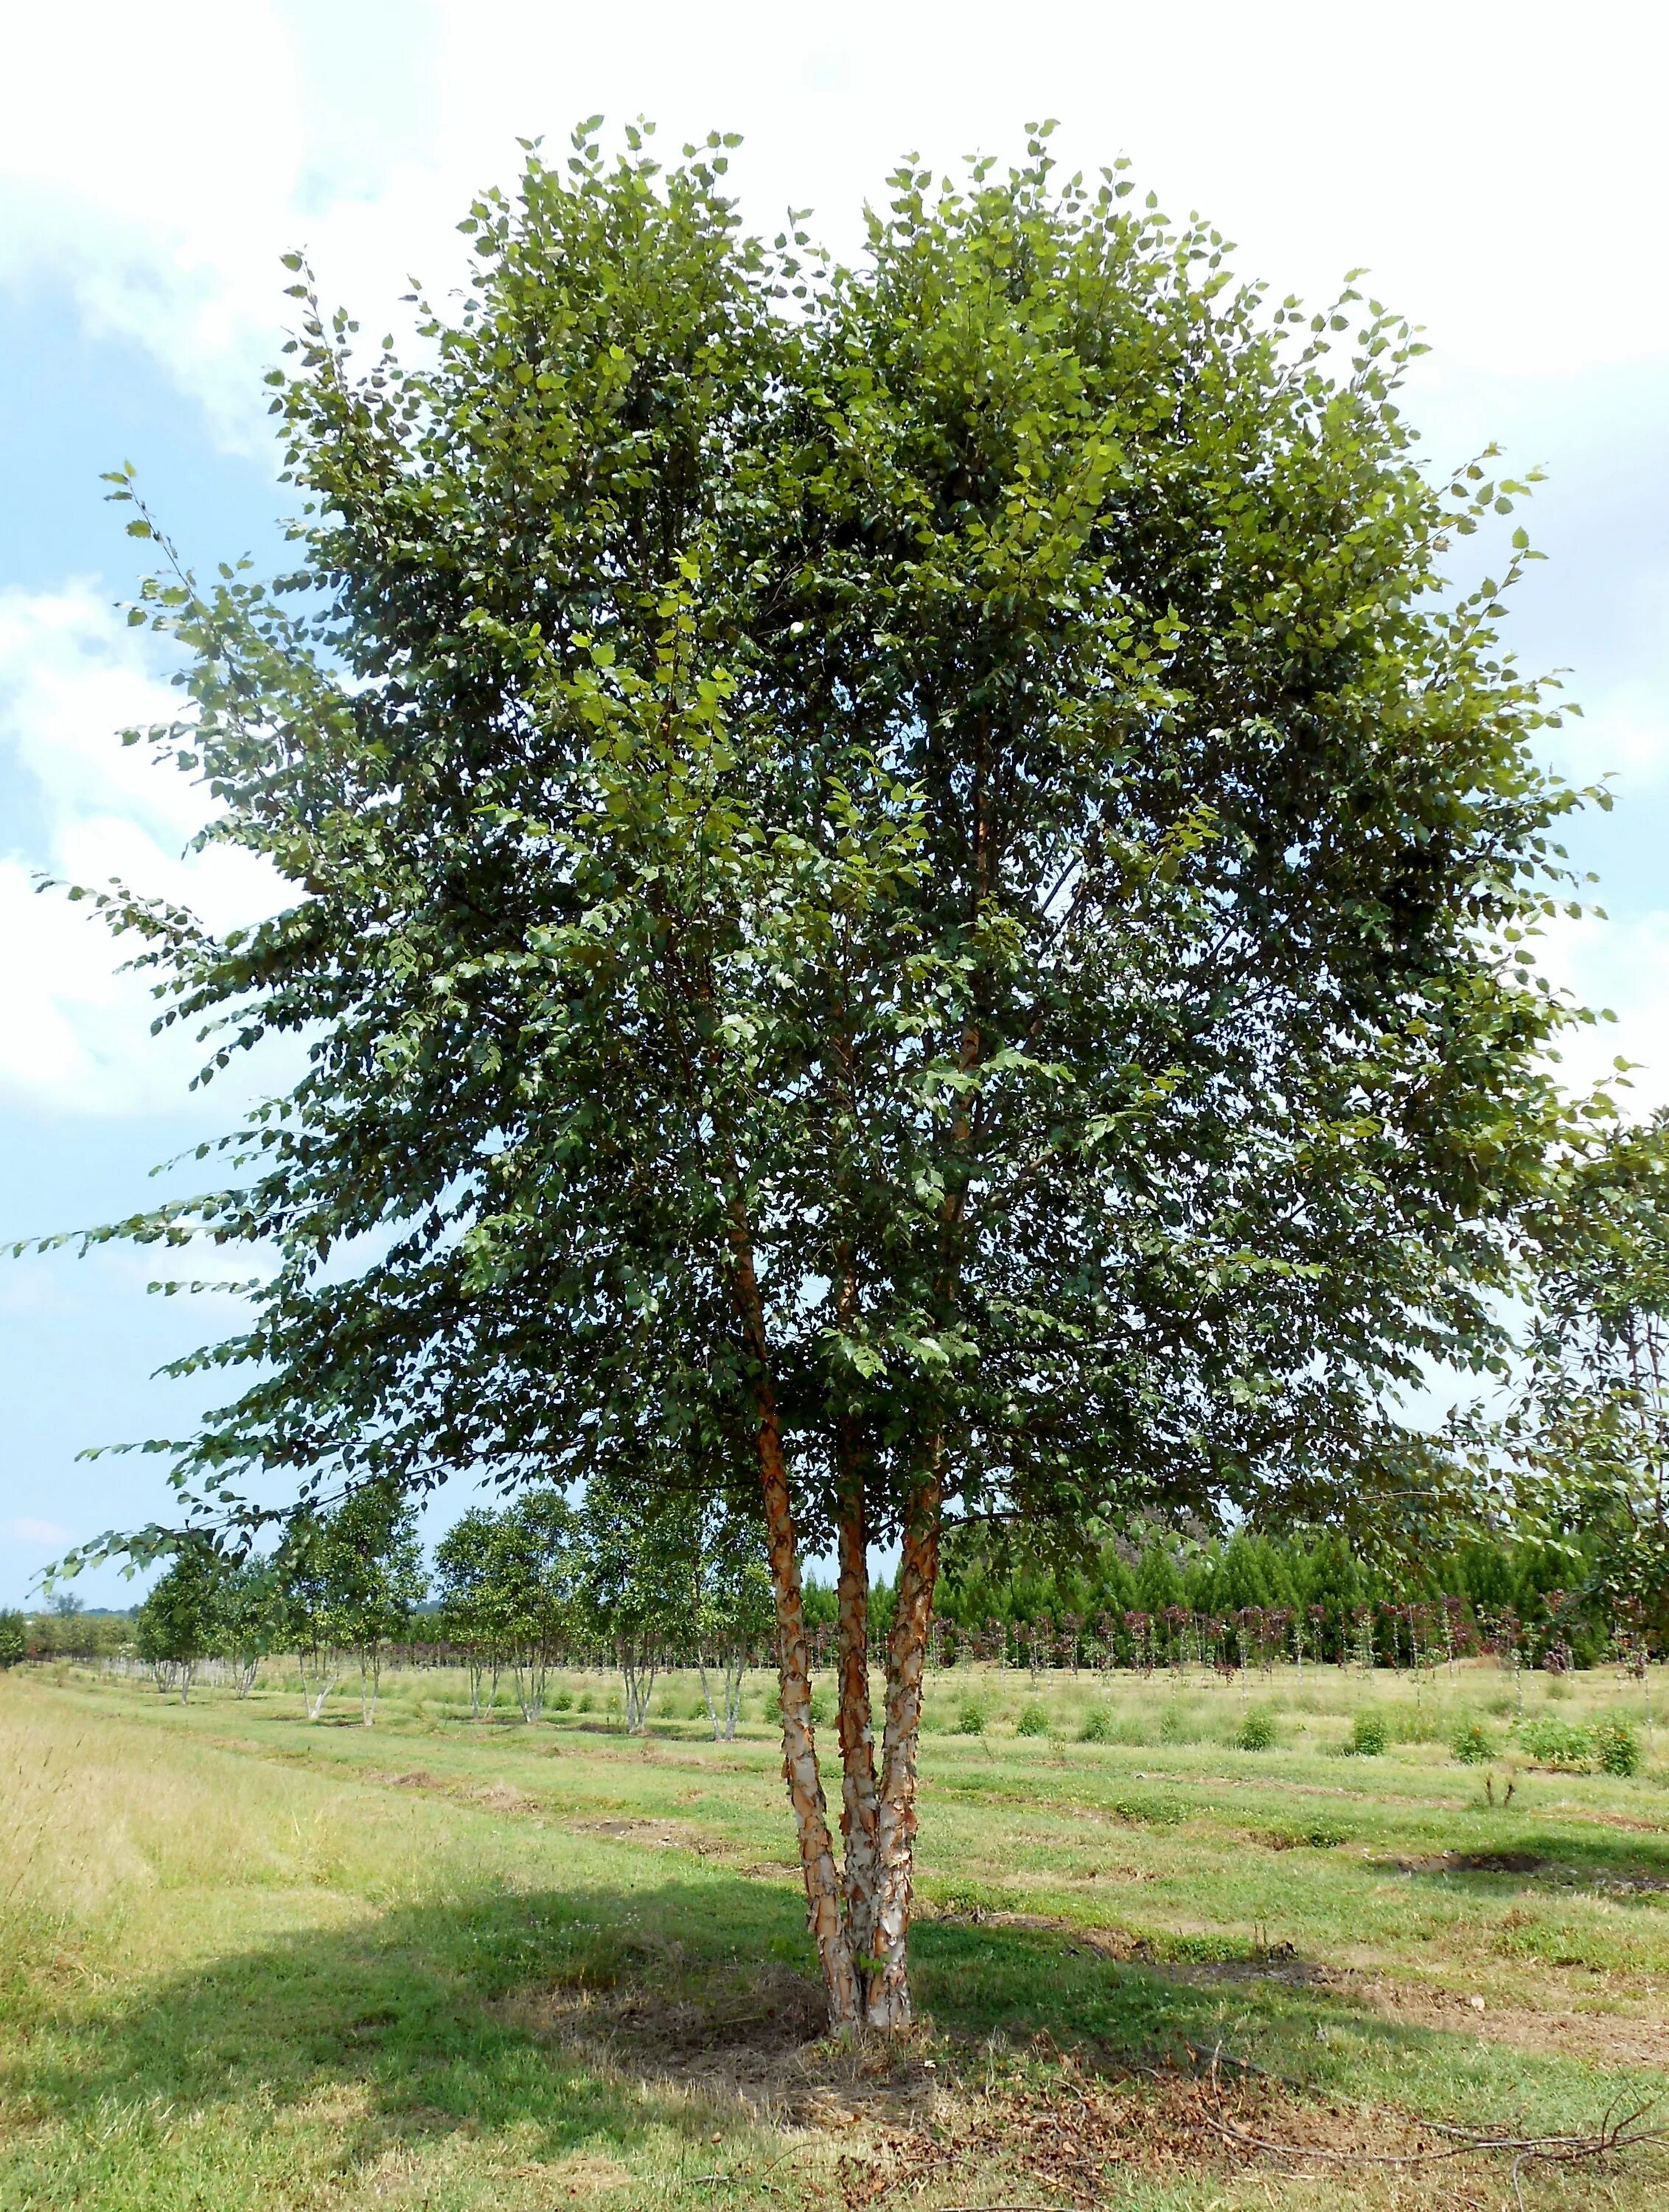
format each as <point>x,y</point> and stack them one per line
<point>859,1805</point>
<point>729,1664</point>
<point>889,1994</point>
<point>320,1669</point>
<point>823,1898</point>
<point>530,1663</point>
<point>639,1668</point>
<point>861,1922</point>
<point>370,1677</point>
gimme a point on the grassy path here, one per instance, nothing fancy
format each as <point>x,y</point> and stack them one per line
<point>245,1962</point>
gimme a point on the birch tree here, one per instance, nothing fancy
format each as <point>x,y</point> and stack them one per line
<point>909,884</point>
<point>471,1612</point>
<point>175,1629</point>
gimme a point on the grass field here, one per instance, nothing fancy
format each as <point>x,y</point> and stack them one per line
<point>245,1961</point>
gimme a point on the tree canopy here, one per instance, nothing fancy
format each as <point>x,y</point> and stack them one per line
<point>1583,1438</point>
<point>907,889</point>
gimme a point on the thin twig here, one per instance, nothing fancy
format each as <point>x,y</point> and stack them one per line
<point>1549,2150</point>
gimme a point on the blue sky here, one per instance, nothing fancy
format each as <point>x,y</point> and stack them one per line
<point>1498,170</point>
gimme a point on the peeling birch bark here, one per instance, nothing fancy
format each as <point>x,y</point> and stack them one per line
<point>887,2002</point>
<point>859,1810</point>
<point>823,1900</point>
<point>799,1749</point>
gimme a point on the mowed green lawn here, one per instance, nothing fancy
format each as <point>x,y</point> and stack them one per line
<point>245,1961</point>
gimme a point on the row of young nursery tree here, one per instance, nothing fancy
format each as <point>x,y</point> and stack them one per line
<point>539,1583</point>
<point>515,1591</point>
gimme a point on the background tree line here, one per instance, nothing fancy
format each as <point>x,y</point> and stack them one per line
<point>1305,1595</point>
<point>538,1583</point>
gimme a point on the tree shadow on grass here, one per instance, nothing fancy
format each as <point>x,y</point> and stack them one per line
<point>616,2020</point>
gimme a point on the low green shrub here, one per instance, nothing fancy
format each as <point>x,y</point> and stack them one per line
<point>1256,1732</point>
<point>1033,1720</point>
<point>970,1721</point>
<point>1616,1746</point>
<point>585,1702</point>
<point>1097,1727</point>
<point>562,1702</point>
<point>1149,1812</point>
<point>1368,1736</point>
<point>1200,1950</point>
<point>1322,1836</point>
<point>1472,1745</point>
<point>1553,1742</point>
<point>1417,1724</point>
<point>969,1900</point>
<point>1174,1725</point>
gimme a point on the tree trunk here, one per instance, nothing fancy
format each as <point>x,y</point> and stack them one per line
<point>859,1810</point>
<point>799,1749</point>
<point>530,1667</point>
<point>887,1997</point>
<point>706,1694</point>
<point>640,1677</point>
<point>316,1701</point>
<point>728,1664</point>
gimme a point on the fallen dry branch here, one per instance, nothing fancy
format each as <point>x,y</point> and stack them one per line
<point>1068,2138</point>
<point>1613,2137</point>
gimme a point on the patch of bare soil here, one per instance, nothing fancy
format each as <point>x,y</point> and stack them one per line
<point>1599,1881</point>
<point>1475,1863</point>
<point>1608,2039</point>
<point>502,1798</point>
<point>765,2051</point>
<point>663,1835</point>
<point>497,1796</point>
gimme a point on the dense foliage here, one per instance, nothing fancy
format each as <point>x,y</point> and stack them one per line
<point>1585,1436</point>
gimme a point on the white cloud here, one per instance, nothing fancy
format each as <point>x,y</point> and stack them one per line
<point>22,1530</point>
<point>75,1033</point>
<point>1624,734</point>
<point>1621,966</point>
